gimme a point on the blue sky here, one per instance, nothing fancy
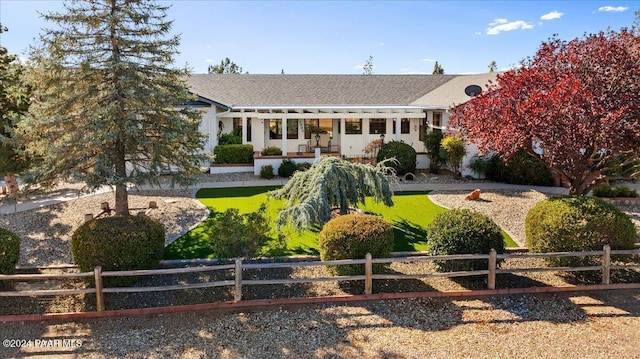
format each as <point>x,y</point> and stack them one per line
<point>339,36</point>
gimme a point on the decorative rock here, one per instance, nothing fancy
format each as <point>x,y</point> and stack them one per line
<point>475,195</point>
<point>88,217</point>
<point>153,204</point>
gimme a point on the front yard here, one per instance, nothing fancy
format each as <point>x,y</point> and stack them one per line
<point>411,214</point>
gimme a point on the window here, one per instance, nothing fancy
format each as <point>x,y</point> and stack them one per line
<point>353,126</point>
<point>437,121</point>
<point>275,129</point>
<point>292,129</point>
<point>248,130</point>
<point>311,126</point>
<point>405,125</point>
<point>424,126</point>
<point>377,126</point>
<point>237,126</point>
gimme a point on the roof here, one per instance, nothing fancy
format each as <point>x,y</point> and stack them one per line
<point>452,92</point>
<point>309,90</point>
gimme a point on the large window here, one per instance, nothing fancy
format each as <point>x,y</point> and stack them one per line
<point>313,126</point>
<point>237,128</point>
<point>405,125</point>
<point>275,129</point>
<point>353,126</point>
<point>377,126</point>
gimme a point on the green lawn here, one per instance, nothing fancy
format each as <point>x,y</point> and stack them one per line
<point>411,214</point>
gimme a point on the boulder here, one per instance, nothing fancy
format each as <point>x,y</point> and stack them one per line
<point>475,195</point>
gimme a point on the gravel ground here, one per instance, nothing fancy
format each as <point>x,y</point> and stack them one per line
<point>585,325</point>
<point>582,325</point>
<point>45,232</point>
<point>508,209</point>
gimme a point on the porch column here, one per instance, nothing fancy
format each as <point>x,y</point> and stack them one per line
<point>398,127</point>
<point>244,129</point>
<point>284,135</point>
<point>342,132</point>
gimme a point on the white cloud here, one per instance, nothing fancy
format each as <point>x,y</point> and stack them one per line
<point>613,8</point>
<point>502,25</point>
<point>428,60</point>
<point>478,33</point>
<point>552,15</point>
<point>381,44</point>
<point>358,67</point>
<point>208,60</point>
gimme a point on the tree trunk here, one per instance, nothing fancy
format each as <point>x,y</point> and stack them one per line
<point>11,182</point>
<point>122,200</point>
<point>122,197</point>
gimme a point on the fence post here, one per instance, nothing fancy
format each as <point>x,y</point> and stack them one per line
<point>368,274</point>
<point>238,295</point>
<point>606,264</point>
<point>97,273</point>
<point>491,280</point>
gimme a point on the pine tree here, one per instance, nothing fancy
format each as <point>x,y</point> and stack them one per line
<point>226,66</point>
<point>367,68</point>
<point>332,183</point>
<point>14,103</point>
<point>437,69</point>
<point>107,109</point>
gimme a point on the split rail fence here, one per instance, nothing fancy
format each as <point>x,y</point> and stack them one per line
<point>239,282</point>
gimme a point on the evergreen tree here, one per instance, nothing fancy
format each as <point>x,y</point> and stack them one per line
<point>226,66</point>
<point>367,68</point>
<point>332,183</point>
<point>437,69</point>
<point>492,66</point>
<point>107,110</point>
<point>14,103</point>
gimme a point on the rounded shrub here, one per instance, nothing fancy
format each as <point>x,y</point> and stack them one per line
<point>118,243</point>
<point>568,224</point>
<point>403,153</point>
<point>266,172</point>
<point>352,236</point>
<point>461,231</point>
<point>9,251</point>
<point>287,168</point>
<point>303,166</point>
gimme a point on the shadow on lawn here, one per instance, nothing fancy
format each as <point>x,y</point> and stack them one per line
<point>406,235</point>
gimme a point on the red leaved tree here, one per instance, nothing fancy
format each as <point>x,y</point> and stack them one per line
<point>577,102</point>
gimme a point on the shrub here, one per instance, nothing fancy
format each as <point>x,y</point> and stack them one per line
<point>266,172</point>
<point>606,190</point>
<point>567,224</point>
<point>432,146</point>
<point>9,251</point>
<point>461,231</point>
<point>271,151</point>
<point>238,235</point>
<point>352,236</point>
<point>303,166</point>
<point>479,165</point>
<point>233,154</point>
<point>403,153</point>
<point>521,169</point>
<point>453,150</point>
<point>118,243</point>
<point>287,168</point>
<point>229,139</point>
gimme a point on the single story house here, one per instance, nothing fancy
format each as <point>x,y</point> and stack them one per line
<point>340,114</point>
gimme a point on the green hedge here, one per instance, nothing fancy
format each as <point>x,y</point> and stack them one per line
<point>230,154</point>
<point>271,151</point>
<point>352,236</point>
<point>606,190</point>
<point>118,243</point>
<point>568,224</point>
<point>521,169</point>
<point>461,231</point>
<point>9,251</point>
<point>403,153</point>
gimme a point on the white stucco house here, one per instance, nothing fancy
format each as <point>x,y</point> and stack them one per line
<point>347,112</point>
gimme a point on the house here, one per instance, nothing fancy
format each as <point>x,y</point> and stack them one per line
<point>339,114</point>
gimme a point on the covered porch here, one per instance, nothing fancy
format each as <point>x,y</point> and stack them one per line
<point>338,130</point>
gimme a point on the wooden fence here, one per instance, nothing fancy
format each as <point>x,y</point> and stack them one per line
<point>238,267</point>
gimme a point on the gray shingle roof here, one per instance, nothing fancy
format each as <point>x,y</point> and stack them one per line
<point>308,90</point>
